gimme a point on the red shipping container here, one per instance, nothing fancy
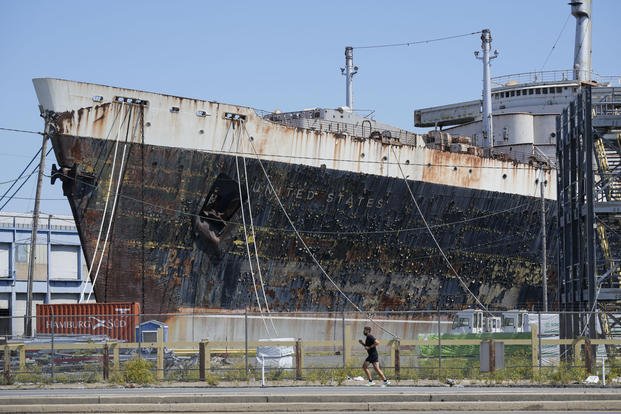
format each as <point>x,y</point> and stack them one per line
<point>116,320</point>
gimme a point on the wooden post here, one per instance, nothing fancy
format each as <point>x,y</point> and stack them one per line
<point>299,359</point>
<point>492,356</point>
<point>439,348</point>
<point>22,356</point>
<point>159,368</point>
<point>347,346</point>
<point>203,359</point>
<point>589,356</point>
<point>7,364</point>
<point>106,361</point>
<point>534,349</point>
<point>116,361</point>
<point>577,354</point>
<point>395,356</point>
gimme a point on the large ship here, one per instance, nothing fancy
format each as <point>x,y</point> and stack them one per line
<point>187,203</point>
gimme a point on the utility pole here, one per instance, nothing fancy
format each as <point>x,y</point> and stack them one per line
<point>544,270</point>
<point>33,239</point>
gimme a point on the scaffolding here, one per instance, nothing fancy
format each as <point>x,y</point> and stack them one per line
<point>589,213</point>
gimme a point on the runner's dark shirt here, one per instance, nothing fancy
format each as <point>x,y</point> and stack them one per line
<point>370,341</point>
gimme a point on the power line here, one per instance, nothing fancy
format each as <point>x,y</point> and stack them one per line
<point>24,182</point>
<point>21,174</point>
<point>25,131</point>
<point>417,42</point>
<point>43,199</point>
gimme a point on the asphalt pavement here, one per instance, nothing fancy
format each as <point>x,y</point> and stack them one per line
<point>322,399</point>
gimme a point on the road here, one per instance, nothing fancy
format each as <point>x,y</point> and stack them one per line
<point>350,399</point>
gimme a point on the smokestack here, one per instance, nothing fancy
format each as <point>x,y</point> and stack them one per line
<point>581,10</point>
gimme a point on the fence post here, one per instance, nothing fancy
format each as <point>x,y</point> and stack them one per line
<point>7,363</point>
<point>343,332</point>
<point>577,343</point>
<point>159,373</point>
<point>589,356</point>
<point>246,343</point>
<point>106,362</point>
<point>439,347</point>
<point>534,348</point>
<point>116,365</point>
<point>299,359</point>
<point>22,356</point>
<point>53,351</point>
<point>202,359</point>
<point>395,356</point>
<point>347,346</point>
<point>539,336</point>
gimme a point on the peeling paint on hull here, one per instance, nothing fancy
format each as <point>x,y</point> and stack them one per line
<point>176,240</point>
<point>364,229</point>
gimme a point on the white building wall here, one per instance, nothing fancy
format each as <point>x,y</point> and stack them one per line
<point>60,268</point>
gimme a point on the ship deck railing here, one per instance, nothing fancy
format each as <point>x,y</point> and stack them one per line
<point>361,130</point>
<point>550,76</point>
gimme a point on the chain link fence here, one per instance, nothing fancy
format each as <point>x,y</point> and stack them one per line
<point>315,347</point>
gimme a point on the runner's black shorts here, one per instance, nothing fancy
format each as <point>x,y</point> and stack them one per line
<point>373,358</point>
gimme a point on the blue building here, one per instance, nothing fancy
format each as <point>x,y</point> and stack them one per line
<point>60,268</point>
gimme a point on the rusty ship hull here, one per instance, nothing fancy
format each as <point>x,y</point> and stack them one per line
<point>158,186</point>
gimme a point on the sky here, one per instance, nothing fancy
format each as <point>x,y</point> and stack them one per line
<point>273,54</point>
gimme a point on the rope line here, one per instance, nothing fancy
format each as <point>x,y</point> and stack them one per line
<point>556,42</point>
<point>114,200</point>
<point>254,239</point>
<point>448,262</point>
<point>116,191</point>
<point>308,250</point>
<point>120,109</point>
<point>125,116</point>
<point>254,282</point>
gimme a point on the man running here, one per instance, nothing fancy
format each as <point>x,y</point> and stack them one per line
<point>370,344</point>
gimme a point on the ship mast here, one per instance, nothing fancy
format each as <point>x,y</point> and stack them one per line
<point>488,129</point>
<point>581,10</point>
<point>349,71</point>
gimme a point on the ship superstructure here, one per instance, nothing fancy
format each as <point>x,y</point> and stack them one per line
<point>525,105</point>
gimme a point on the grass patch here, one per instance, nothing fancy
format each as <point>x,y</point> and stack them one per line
<point>136,371</point>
